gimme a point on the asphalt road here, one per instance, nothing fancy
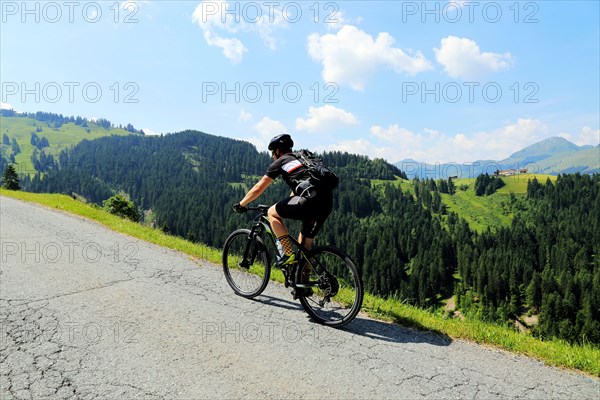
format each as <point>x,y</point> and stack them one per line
<point>89,313</point>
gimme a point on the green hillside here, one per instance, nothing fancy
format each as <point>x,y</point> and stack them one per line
<point>585,161</point>
<point>482,212</point>
<point>495,210</point>
<point>64,136</point>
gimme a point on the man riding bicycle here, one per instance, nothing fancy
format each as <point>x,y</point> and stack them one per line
<point>307,203</point>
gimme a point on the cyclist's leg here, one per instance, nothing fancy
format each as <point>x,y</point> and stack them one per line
<point>305,241</point>
<point>320,208</point>
<point>316,210</point>
<point>276,221</point>
<point>293,208</point>
<point>281,232</point>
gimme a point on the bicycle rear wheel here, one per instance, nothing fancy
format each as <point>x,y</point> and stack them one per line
<point>337,290</point>
<point>246,263</point>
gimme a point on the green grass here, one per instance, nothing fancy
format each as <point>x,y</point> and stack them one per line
<point>482,212</point>
<point>479,212</point>
<point>553,352</point>
<point>397,182</point>
<point>59,139</point>
<point>491,211</point>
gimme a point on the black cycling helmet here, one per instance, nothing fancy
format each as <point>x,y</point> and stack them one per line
<point>283,142</point>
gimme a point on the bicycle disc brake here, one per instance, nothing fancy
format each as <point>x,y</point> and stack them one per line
<point>329,285</point>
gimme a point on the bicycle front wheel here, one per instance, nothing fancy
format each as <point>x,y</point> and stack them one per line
<point>337,290</point>
<point>246,263</point>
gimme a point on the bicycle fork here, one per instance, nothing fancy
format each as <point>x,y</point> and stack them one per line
<point>250,252</point>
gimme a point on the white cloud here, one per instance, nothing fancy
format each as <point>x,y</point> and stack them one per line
<point>496,144</point>
<point>351,55</point>
<point>233,48</point>
<point>325,119</point>
<point>396,134</point>
<point>216,17</point>
<point>150,132</point>
<point>462,58</point>
<point>335,20</point>
<point>5,106</point>
<point>587,136</point>
<point>463,142</point>
<point>266,128</point>
<point>395,143</point>
<point>435,147</point>
<point>361,146</point>
<point>357,146</point>
<point>512,137</point>
<point>245,116</point>
<point>433,134</point>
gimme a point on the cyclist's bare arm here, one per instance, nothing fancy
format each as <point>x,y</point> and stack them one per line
<point>256,190</point>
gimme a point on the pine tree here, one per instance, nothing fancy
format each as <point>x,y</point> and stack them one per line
<point>34,139</point>
<point>451,187</point>
<point>534,292</point>
<point>11,179</point>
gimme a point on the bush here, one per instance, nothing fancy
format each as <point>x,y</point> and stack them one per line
<point>121,206</point>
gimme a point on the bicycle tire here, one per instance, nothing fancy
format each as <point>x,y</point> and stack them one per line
<point>343,305</point>
<point>247,281</point>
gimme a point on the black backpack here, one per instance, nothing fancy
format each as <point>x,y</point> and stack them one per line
<point>320,175</point>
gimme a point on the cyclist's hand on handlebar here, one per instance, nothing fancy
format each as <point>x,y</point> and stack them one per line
<point>239,208</point>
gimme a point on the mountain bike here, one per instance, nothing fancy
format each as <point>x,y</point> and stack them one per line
<point>325,279</point>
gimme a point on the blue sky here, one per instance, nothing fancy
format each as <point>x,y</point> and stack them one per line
<point>433,81</point>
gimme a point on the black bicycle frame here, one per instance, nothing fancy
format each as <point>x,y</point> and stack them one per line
<point>262,225</point>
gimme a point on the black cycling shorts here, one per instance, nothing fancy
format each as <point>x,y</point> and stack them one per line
<point>311,211</point>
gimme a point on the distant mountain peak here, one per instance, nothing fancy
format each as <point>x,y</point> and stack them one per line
<point>547,147</point>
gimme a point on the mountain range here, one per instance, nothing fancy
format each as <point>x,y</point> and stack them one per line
<point>551,156</point>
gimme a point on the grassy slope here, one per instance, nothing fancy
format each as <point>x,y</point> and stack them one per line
<point>485,211</point>
<point>59,139</point>
<point>554,352</point>
<point>588,157</point>
<point>489,211</point>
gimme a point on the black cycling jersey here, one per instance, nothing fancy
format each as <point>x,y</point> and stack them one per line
<point>291,170</point>
<point>311,206</point>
